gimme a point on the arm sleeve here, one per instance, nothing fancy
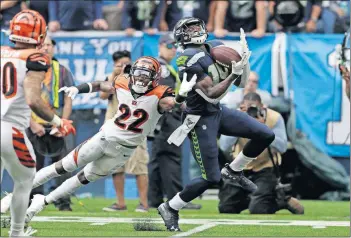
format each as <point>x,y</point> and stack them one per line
<point>280,142</point>
<point>98,9</point>
<point>53,6</point>
<point>127,6</point>
<point>38,62</point>
<point>158,14</point>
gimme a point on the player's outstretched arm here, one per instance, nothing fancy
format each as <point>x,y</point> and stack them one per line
<point>102,86</point>
<point>32,92</point>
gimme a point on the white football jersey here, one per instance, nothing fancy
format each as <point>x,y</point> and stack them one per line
<point>135,118</point>
<point>14,108</point>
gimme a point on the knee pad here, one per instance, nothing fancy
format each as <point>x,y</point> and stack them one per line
<point>59,168</point>
<point>82,179</point>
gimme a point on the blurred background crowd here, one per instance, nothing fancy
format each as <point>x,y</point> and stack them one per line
<point>160,174</point>
<point>153,16</point>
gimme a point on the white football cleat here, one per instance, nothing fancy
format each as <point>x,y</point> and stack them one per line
<point>35,207</point>
<point>6,203</point>
<point>30,231</point>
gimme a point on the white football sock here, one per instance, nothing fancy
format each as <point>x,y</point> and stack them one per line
<point>44,175</point>
<point>177,203</point>
<point>65,189</point>
<point>19,204</point>
<point>240,162</point>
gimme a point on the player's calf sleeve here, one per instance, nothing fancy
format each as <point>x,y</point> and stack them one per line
<point>191,191</point>
<point>65,189</point>
<point>48,173</point>
<point>44,175</point>
<point>19,205</point>
<point>240,162</point>
<point>252,149</point>
<point>177,203</point>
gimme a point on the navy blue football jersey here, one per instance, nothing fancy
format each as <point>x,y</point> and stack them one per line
<point>197,60</point>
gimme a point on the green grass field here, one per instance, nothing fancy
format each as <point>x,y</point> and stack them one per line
<point>321,218</point>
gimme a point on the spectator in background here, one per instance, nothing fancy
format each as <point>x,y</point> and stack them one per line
<point>165,164</point>
<point>312,12</point>
<point>40,133</point>
<point>335,16</point>
<point>112,11</point>
<point>41,6</point>
<point>8,9</point>
<point>265,200</point>
<point>175,10</point>
<point>142,16</point>
<point>233,99</point>
<point>137,164</point>
<point>232,15</point>
<point>76,15</point>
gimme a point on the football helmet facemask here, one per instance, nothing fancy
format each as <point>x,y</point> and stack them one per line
<point>145,74</point>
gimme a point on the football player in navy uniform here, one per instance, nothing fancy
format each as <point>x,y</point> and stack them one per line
<point>204,118</point>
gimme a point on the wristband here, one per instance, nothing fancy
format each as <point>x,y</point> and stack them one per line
<point>56,121</point>
<point>85,88</point>
<point>179,99</point>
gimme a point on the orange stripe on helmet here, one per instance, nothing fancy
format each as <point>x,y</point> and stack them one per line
<point>26,25</point>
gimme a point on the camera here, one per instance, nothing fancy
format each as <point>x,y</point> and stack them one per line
<point>256,112</point>
<point>289,14</point>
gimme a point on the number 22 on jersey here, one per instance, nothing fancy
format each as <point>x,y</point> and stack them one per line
<point>8,80</point>
<point>140,114</point>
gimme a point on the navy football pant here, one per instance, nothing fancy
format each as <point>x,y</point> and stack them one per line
<point>205,150</point>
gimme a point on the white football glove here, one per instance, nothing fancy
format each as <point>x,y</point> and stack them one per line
<point>70,91</point>
<point>186,85</point>
<point>238,67</point>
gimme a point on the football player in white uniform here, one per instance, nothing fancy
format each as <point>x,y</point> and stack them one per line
<point>23,69</point>
<point>141,104</point>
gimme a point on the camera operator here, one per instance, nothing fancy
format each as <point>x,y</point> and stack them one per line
<point>270,196</point>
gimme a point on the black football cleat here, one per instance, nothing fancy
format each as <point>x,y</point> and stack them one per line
<point>238,178</point>
<point>169,216</point>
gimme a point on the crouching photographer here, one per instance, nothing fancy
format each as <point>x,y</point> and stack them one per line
<point>271,195</point>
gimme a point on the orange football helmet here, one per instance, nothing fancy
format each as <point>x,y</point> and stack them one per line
<point>145,74</point>
<point>29,27</point>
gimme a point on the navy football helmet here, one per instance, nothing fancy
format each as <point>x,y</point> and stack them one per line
<point>190,30</point>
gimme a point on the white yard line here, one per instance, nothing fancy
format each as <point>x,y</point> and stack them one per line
<point>194,221</point>
<point>196,230</point>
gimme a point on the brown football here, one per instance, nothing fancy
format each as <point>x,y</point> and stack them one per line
<point>224,55</point>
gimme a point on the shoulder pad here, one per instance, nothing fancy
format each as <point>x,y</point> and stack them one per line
<point>122,81</point>
<point>159,91</point>
<point>189,57</point>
